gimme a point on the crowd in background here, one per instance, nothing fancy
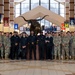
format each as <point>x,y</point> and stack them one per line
<point>52,45</point>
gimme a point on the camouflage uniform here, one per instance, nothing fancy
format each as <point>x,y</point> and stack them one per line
<point>65,46</point>
<point>73,47</point>
<point>57,42</point>
<point>1,46</point>
<point>70,51</point>
<point>7,46</point>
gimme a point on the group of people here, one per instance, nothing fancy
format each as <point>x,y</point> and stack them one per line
<point>52,45</point>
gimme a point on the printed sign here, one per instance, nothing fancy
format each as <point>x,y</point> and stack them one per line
<point>72,22</point>
<point>66,24</point>
<point>15,26</point>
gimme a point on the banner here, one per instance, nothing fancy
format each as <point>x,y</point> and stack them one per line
<point>15,26</point>
<point>6,21</point>
<point>66,24</point>
<point>11,24</point>
<point>72,22</point>
<point>0,18</point>
<point>62,26</point>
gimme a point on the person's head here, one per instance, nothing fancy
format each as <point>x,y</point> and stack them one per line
<point>4,34</point>
<point>72,33</point>
<point>54,33</point>
<point>0,33</point>
<point>7,34</point>
<point>20,35</point>
<point>41,33</point>
<point>32,32</point>
<point>64,34</point>
<point>49,34</point>
<point>68,33</point>
<point>57,34</point>
<point>10,34</point>
<point>24,34</point>
<point>46,34</point>
<point>15,33</point>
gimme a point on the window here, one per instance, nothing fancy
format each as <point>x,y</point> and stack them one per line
<point>17,10</point>
<point>34,3</point>
<point>24,6</point>
<point>55,7</point>
<point>53,1</point>
<point>17,14</point>
<point>45,3</point>
<point>26,1</point>
<point>62,11</point>
<point>62,14</point>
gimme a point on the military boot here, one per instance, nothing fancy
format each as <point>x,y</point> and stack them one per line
<point>70,57</point>
<point>59,57</point>
<point>55,57</point>
<point>63,58</point>
<point>73,58</point>
<point>67,57</point>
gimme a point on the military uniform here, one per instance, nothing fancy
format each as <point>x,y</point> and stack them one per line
<point>1,46</point>
<point>32,45</point>
<point>65,46</point>
<point>41,45</point>
<point>15,47</point>
<point>49,47</point>
<point>73,47</point>
<point>7,45</point>
<point>70,51</point>
<point>57,42</point>
<point>23,43</point>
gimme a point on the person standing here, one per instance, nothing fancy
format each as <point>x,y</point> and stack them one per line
<point>73,45</point>
<point>32,45</point>
<point>1,45</point>
<point>49,46</point>
<point>70,40</point>
<point>65,45</point>
<point>57,42</point>
<point>41,45</point>
<point>7,45</point>
<point>23,43</point>
<point>10,35</point>
<point>15,46</point>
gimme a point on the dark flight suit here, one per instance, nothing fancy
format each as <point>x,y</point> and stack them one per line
<point>32,46</point>
<point>23,42</point>
<point>14,47</point>
<point>49,47</point>
<point>41,45</point>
